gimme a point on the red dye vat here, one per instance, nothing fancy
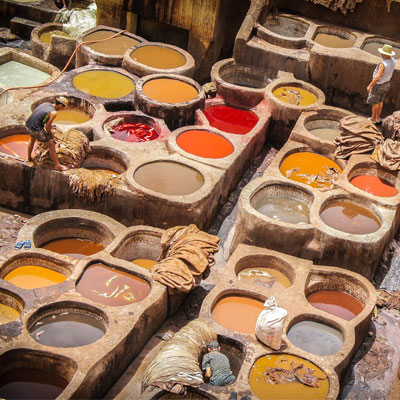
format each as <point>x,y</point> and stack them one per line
<point>374,185</point>
<point>232,120</point>
<point>134,132</point>
<point>337,303</point>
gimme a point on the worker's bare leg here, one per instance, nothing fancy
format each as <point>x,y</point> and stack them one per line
<point>31,143</point>
<point>53,156</point>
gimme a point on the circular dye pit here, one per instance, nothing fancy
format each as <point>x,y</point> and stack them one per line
<point>112,287</point>
<point>39,384</point>
<point>230,119</point>
<point>71,117</point>
<point>374,185</point>
<point>15,145</point>
<point>282,207</point>
<point>269,278</point>
<point>144,262</point>
<point>67,329</point>
<point>134,132</point>
<point>336,303</point>
<point>332,40</point>
<point>158,57</point>
<point>169,178</point>
<point>14,74</point>
<point>316,338</point>
<point>112,47</point>
<point>34,277</point>
<point>8,314</point>
<point>168,90</point>
<point>288,27</point>
<point>73,247</point>
<point>204,144</point>
<point>310,168</point>
<point>372,48</point>
<point>328,134</point>
<point>106,84</point>
<point>46,37</point>
<point>295,95</point>
<point>265,386</point>
<point>106,171</point>
<point>350,218</point>
<point>238,313</point>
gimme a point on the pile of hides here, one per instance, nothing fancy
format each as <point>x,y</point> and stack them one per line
<point>92,185</point>
<point>186,254</point>
<point>387,155</point>
<point>77,21</point>
<point>342,5</point>
<point>177,363</point>
<point>71,148</point>
<point>391,126</point>
<point>359,135</point>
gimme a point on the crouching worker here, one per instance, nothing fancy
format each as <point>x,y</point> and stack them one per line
<point>216,366</point>
<point>40,124</point>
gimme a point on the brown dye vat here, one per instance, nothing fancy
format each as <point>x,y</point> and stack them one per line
<point>310,168</point>
<point>144,262</point>
<point>158,57</point>
<point>111,287</point>
<point>238,313</point>
<point>168,90</point>
<point>316,338</point>
<point>71,117</point>
<point>332,40</point>
<point>372,48</point>
<point>113,47</point>
<point>169,178</point>
<point>20,383</point>
<point>74,247</point>
<point>69,329</point>
<point>295,95</point>
<point>34,277</point>
<point>8,314</point>
<point>328,134</point>
<point>106,84</point>
<point>15,145</point>
<point>269,278</point>
<point>350,218</point>
<point>264,389</point>
<point>374,185</point>
<point>46,37</point>
<point>337,303</point>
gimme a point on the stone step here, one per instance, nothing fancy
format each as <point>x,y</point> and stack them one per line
<point>22,27</point>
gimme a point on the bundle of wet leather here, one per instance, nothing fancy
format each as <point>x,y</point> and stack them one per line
<point>342,5</point>
<point>187,254</point>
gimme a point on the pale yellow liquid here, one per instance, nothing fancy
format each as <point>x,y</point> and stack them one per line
<point>33,277</point>
<point>107,84</point>
<point>7,314</point>
<point>295,95</point>
<point>158,57</point>
<point>46,37</point>
<point>144,262</point>
<point>71,117</point>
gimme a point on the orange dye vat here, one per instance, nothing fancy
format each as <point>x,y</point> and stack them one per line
<point>238,313</point>
<point>144,262</point>
<point>74,247</point>
<point>168,90</point>
<point>34,277</point>
<point>264,389</point>
<point>204,144</point>
<point>71,117</point>
<point>15,145</point>
<point>310,168</point>
<point>112,47</point>
<point>374,185</point>
<point>158,57</point>
<point>111,286</point>
<point>269,278</point>
<point>7,314</point>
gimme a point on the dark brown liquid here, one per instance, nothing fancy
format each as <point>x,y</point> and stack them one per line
<point>74,247</point>
<point>111,286</point>
<point>23,383</point>
<point>349,217</point>
<point>337,303</point>
<point>69,329</point>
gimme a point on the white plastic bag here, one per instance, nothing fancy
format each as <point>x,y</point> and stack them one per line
<point>269,326</point>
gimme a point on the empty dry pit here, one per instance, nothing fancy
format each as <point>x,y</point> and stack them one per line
<point>67,324</point>
<point>268,273</point>
<point>285,203</point>
<point>14,141</point>
<point>112,286</point>
<point>286,26</point>
<point>106,159</point>
<point>11,306</point>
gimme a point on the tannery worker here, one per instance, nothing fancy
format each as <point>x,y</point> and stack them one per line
<point>216,366</point>
<point>380,83</point>
<point>40,124</point>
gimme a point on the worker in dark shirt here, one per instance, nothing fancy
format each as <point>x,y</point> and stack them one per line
<point>216,366</point>
<point>40,124</point>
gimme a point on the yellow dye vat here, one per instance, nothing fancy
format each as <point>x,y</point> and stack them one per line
<point>71,117</point>
<point>7,314</point>
<point>34,277</point>
<point>295,95</point>
<point>46,37</point>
